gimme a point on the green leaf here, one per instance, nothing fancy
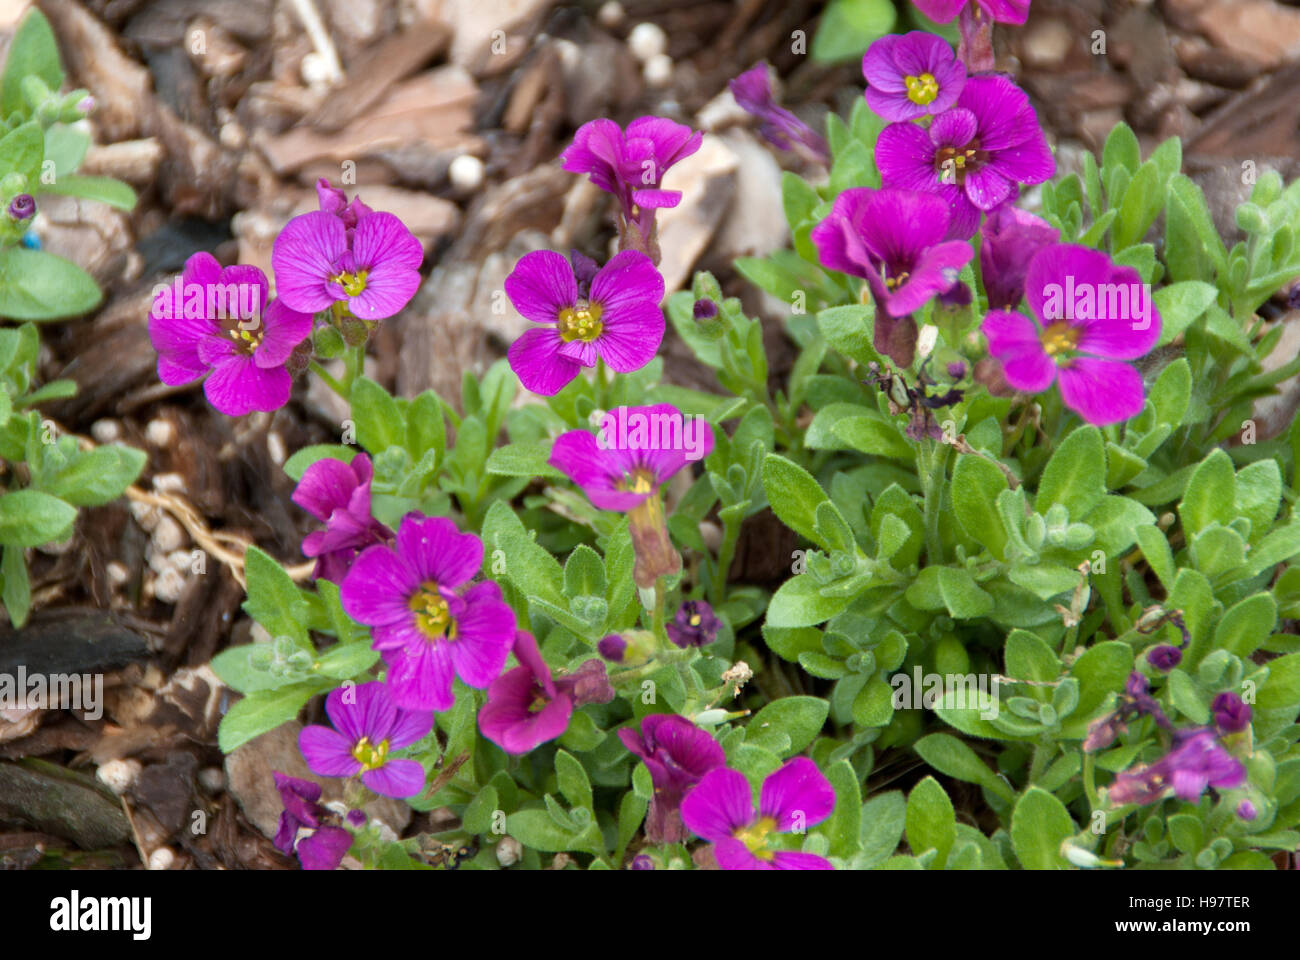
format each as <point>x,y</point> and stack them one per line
<point>976,484</point>
<point>298,463</point>
<point>1211,494</point>
<point>1245,626</point>
<point>848,329</point>
<point>378,419</point>
<point>29,518</point>
<point>95,477</point>
<point>526,459</point>
<point>21,151</point>
<point>1155,547</point>
<point>794,495</point>
<point>1115,520</point>
<point>798,719</point>
<point>1076,474</point>
<point>1172,392</point>
<point>259,712</point>
<point>1121,150</point>
<point>115,193</point>
<point>843,829</point>
<point>954,758</point>
<point>573,780</point>
<point>15,588</point>
<point>536,829</point>
<point>528,565</point>
<point>798,603</point>
<point>41,286</point>
<point>1259,494</point>
<point>848,27</point>
<point>882,824</point>
<point>962,595</point>
<point>1180,305</point>
<point>274,600</point>
<point>873,435</point>
<point>343,661</point>
<point>931,821</point>
<point>1100,670</point>
<point>1143,201</point>
<point>32,52</point>
<point>1039,825</point>
<point>1282,688</point>
<point>1280,545</point>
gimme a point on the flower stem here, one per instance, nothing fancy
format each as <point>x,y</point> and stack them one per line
<point>726,553</point>
<point>353,363</point>
<point>328,380</point>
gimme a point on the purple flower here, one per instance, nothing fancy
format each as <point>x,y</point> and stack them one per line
<point>912,75</point>
<point>631,165</point>
<point>526,706</point>
<point>22,207</point>
<point>325,843</point>
<point>368,726</point>
<point>335,201</point>
<point>338,494</point>
<point>678,754</point>
<point>612,648</point>
<point>721,809</point>
<point>1246,810</point>
<point>639,449</point>
<point>1011,237</point>
<point>894,239</point>
<point>1092,314</point>
<point>1231,713</point>
<point>1002,11</point>
<point>620,321</point>
<point>216,322</point>
<point>374,269</point>
<point>1195,761</point>
<point>427,627</point>
<point>1134,702</point>
<point>781,128</point>
<point>695,625</point>
<point>974,155</point>
<point>642,861</point>
<point>1164,657</point>
<point>704,309</point>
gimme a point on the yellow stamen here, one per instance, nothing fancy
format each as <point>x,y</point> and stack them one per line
<point>754,837</point>
<point>353,283</point>
<point>370,757</point>
<point>432,615</point>
<point>923,89</point>
<point>1060,337</point>
<point>580,323</point>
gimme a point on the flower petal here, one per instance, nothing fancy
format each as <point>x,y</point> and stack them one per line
<point>1101,391</point>
<point>797,795</point>
<point>535,358</point>
<point>718,805</point>
<point>1014,340</point>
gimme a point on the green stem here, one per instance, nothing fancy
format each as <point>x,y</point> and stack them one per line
<point>1090,781</point>
<point>660,616</point>
<point>932,468</point>
<point>726,553</point>
<point>328,380</point>
<point>353,363</point>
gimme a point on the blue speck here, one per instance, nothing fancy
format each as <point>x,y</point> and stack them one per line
<point>31,241</point>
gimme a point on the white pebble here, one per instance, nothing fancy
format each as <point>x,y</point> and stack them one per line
<point>162,859</point>
<point>146,514</point>
<point>658,71</point>
<point>106,431</point>
<point>646,41</point>
<point>182,560</point>
<point>275,447</point>
<point>611,14</point>
<point>169,483</point>
<point>168,536</point>
<point>509,851</point>
<point>212,779</point>
<point>169,585</point>
<point>161,433</point>
<point>118,574</point>
<point>315,70</point>
<point>118,775</point>
<point>466,172</point>
<point>232,136</point>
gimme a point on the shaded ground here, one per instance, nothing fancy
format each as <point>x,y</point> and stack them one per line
<point>220,114</point>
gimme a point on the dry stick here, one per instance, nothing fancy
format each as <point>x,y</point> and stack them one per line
<point>320,37</point>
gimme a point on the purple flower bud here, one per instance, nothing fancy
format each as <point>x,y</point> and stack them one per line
<point>642,861</point>
<point>1246,810</point>
<point>612,648</point>
<point>22,207</point>
<point>781,128</point>
<point>705,309</point>
<point>1231,714</point>
<point>1164,657</point>
<point>695,625</point>
<point>1011,238</point>
<point>86,104</point>
<point>957,369</point>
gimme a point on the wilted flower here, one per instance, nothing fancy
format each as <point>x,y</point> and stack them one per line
<point>429,627</point>
<point>1134,702</point>
<point>368,726</point>
<point>335,201</point>
<point>612,647</point>
<point>1195,761</point>
<point>695,625</point>
<point>618,320</point>
<point>912,75</point>
<point>338,494</point>
<point>325,843</point>
<point>374,268</point>
<point>1164,657</point>
<point>677,753</point>
<point>973,155</point>
<point>526,706</point>
<point>1093,313</point>
<point>720,808</point>
<point>216,323</point>
<point>781,128</point>
<point>1010,238</point>
<point>1231,713</point>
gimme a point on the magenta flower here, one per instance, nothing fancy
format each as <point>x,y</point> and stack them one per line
<point>1135,701</point>
<point>781,128</point>
<point>368,726</point>
<point>1164,657</point>
<point>22,207</point>
<point>338,494</point>
<point>618,320</point>
<point>678,754</point>
<point>1195,761</point>
<point>323,843</point>
<point>216,323</point>
<point>974,155</point>
<point>894,239</point>
<point>1010,238</point>
<point>638,450</point>
<point>430,629</point>
<point>912,75</point>
<point>631,165</point>
<point>1092,315</point>
<point>335,201</point>
<point>694,625</point>
<point>374,269</point>
<point>720,808</point>
<point>1231,713</point>
<point>526,706</point>
<point>1001,11</point>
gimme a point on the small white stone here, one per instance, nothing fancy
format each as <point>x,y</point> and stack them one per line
<point>658,71</point>
<point>212,779</point>
<point>508,851</point>
<point>275,447</point>
<point>169,585</point>
<point>160,433</point>
<point>118,775</point>
<point>232,136</point>
<point>611,14</point>
<point>106,431</point>
<point>466,172</point>
<point>647,41</point>
<point>315,70</point>
<point>570,53</point>
<point>146,514</point>
<point>168,536</point>
<point>182,560</point>
<point>169,483</point>
<point>117,572</point>
<point>162,859</point>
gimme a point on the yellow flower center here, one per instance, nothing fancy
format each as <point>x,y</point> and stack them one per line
<point>247,340</point>
<point>754,837</point>
<point>923,89</point>
<point>580,323</point>
<point>893,283</point>
<point>639,481</point>
<point>1060,337</point>
<point>432,615</point>
<point>951,163</point>
<point>353,283</point>
<point>370,756</point>
<point>695,620</point>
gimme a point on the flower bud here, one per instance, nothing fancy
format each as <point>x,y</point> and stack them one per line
<point>327,342</point>
<point>22,207</point>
